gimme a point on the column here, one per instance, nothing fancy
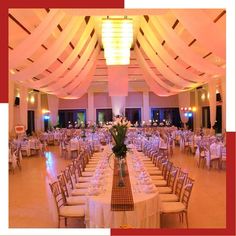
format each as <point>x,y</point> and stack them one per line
<point>23,106</point>
<point>11,101</point>
<point>223,94</point>
<point>146,109</point>
<point>197,113</point>
<point>212,102</point>
<point>38,114</point>
<point>91,113</point>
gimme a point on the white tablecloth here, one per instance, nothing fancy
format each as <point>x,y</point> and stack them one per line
<point>146,205</point>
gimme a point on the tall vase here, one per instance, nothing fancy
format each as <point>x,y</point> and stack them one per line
<point>121,171</point>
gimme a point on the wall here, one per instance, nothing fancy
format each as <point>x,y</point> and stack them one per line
<point>134,99</point>
<point>102,100</point>
<point>156,101</point>
<point>74,103</point>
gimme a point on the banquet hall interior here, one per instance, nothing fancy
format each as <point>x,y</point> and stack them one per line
<point>117,118</point>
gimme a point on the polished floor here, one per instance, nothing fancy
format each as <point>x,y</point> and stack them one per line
<point>32,206</point>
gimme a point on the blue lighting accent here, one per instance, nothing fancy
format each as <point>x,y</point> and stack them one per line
<point>190,114</point>
<point>46,117</point>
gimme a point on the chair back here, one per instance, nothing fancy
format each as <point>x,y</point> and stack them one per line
<point>180,183</point>
<point>187,193</point>
<point>172,177</point>
<point>57,194</point>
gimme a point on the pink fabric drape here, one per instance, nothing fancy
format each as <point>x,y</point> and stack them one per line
<point>182,49</point>
<point>212,101</point>
<point>85,78</point>
<point>118,80</point>
<point>52,53</point>
<point>161,66</point>
<point>54,77</point>
<point>61,83</point>
<point>53,104</point>
<point>154,82</point>
<point>208,33</point>
<point>184,101</point>
<point>27,47</point>
<point>150,35</point>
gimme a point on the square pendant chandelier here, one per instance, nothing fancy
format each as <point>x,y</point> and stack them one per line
<point>117,39</point>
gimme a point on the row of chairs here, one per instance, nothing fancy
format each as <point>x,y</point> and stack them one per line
<point>173,184</point>
<point>70,188</point>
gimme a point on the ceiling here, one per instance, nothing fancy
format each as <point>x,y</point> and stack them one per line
<point>59,51</point>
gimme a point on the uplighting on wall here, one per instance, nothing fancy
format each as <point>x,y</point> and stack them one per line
<point>117,38</point>
<point>32,99</point>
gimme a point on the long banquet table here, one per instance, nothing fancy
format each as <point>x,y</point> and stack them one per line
<point>146,202</point>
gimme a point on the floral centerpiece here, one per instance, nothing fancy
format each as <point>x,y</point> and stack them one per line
<point>118,132</point>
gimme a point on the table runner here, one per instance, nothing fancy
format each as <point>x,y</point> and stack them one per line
<point>121,197</point>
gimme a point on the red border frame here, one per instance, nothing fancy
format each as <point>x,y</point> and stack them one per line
<point>230,205</point>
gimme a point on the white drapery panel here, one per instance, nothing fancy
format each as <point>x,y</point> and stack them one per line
<point>53,104</point>
<point>212,101</point>
<point>161,66</point>
<point>52,53</point>
<point>162,52</point>
<point>33,41</point>
<point>54,77</point>
<point>85,78</point>
<point>154,82</point>
<point>118,80</point>
<point>118,105</point>
<point>182,49</point>
<point>73,76</point>
<point>205,30</point>
<point>184,101</point>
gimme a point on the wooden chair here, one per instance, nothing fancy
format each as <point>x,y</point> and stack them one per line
<point>176,196</point>
<point>180,207</point>
<point>64,211</point>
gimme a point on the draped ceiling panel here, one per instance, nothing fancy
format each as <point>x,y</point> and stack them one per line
<point>63,53</point>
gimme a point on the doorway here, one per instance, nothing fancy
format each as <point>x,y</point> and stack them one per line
<point>133,115</point>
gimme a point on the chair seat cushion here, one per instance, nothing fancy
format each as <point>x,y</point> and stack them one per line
<point>82,185</point>
<point>87,174</point>
<point>160,183</point>
<point>72,211</point>
<point>172,207</point>
<point>168,198</point>
<point>155,172</point>
<point>83,179</point>
<point>76,200</point>
<point>79,192</point>
<point>164,190</point>
<point>157,177</point>
<point>90,169</point>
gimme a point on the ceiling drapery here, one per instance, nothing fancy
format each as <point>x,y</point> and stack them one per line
<point>213,39</point>
<point>182,49</point>
<point>170,61</point>
<point>154,82</point>
<point>56,76</point>
<point>162,52</point>
<point>28,46</point>
<point>52,53</point>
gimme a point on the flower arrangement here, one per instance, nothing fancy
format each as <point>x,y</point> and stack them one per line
<point>118,132</point>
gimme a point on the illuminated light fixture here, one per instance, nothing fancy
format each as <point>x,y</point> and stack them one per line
<point>44,111</point>
<point>32,99</point>
<point>46,117</point>
<point>12,71</point>
<point>194,109</point>
<point>117,39</point>
<point>203,97</point>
